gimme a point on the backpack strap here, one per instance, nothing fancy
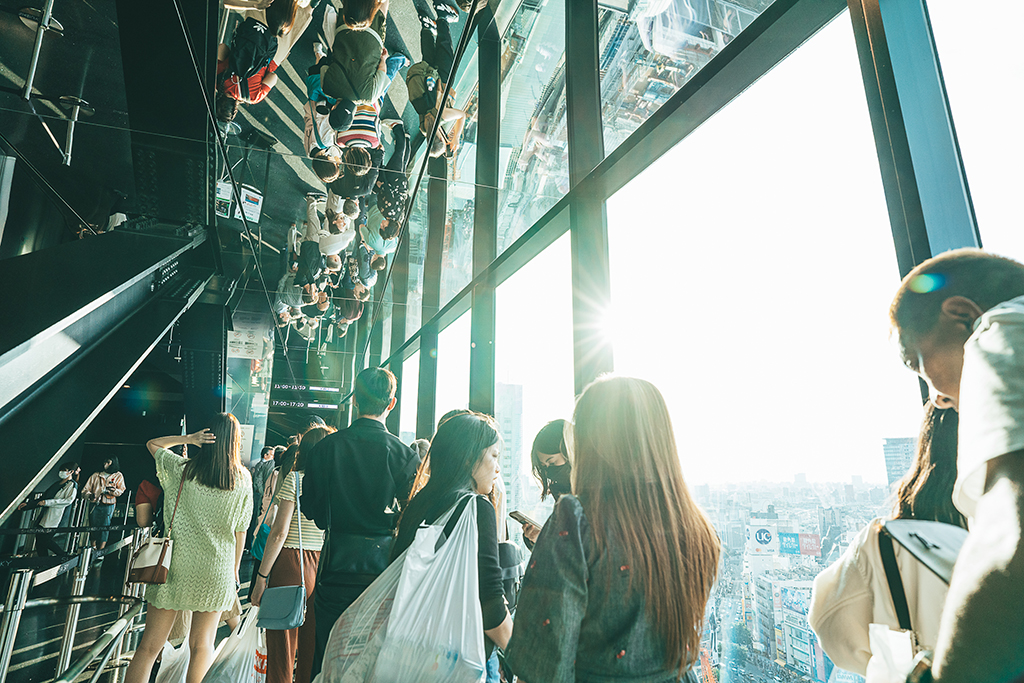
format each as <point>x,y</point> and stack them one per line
<point>892,575</point>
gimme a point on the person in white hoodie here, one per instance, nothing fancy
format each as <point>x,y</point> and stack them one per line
<point>854,593</point>
<point>54,501</point>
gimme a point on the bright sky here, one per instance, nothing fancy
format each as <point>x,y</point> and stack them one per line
<point>753,266</point>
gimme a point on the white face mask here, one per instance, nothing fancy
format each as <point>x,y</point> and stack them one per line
<point>63,474</point>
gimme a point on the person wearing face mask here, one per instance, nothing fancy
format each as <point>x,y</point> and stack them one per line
<point>104,488</point>
<point>550,459</point>
<point>55,500</point>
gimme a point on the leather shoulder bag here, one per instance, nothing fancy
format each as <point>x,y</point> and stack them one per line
<point>151,562</point>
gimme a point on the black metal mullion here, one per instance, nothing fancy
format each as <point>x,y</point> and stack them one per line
<point>930,208</point>
<point>485,217</point>
<point>437,215</point>
<point>399,299</point>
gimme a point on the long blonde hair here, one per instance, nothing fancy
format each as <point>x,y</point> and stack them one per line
<point>627,475</point>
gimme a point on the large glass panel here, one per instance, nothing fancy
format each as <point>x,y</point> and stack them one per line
<point>650,50</point>
<point>983,84</point>
<point>457,257</point>
<point>453,344</point>
<point>533,369</point>
<point>760,313</point>
<point>416,233</point>
<point>410,398</point>
<point>533,166</point>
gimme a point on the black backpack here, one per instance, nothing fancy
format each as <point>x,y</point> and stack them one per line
<point>252,48</point>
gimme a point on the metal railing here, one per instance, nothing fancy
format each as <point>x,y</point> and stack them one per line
<point>110,644</point>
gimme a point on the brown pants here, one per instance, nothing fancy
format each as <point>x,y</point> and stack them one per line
<point>283,646</point>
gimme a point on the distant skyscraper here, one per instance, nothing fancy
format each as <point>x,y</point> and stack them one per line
<point>508,409</point>
<point>899,454</point>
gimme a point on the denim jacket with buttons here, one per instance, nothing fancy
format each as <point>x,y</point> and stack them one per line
<point>577,620</point>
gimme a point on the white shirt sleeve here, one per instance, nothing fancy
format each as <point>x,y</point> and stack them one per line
<point>842,607</point>
<point>991,404</point>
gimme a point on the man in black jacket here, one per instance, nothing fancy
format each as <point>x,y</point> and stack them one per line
<point>356,480</point>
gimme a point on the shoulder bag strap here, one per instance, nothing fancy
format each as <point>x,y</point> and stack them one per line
<point>298,521</point>
<point>892,575</point>
<point>175,511</point>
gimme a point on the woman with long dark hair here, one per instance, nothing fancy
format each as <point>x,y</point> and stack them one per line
<point>853,592</point>
<point>623,569</point>
<point>280,566</point>
<point>464,460</point>
<point>207,508</point>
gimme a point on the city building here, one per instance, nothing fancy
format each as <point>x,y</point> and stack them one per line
<point>899,455</point>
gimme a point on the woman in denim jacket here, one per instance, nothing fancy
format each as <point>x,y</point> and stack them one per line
<point>623,569</point>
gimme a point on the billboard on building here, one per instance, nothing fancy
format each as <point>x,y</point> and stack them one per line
<point>810,544</point>
<point>762,539</point>
<point>796,599</point>
<point>789,544</point>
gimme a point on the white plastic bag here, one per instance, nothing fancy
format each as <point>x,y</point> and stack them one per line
<point>420,621</point>
<point>436,631</point>
<point>892,655</point>
<point>242,656</point>
<point>173,663</point>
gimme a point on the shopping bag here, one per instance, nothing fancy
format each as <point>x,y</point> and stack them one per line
<point>358,635</point>
<point>436,632</point>
<point>892,655</point>
<point>365,646</point>
<point>242,656</point>
<point>173,663</point>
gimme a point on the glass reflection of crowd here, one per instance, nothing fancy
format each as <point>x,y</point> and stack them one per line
<point>352,222</point>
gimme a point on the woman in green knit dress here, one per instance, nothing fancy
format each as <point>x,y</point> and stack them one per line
<point>208,531</point>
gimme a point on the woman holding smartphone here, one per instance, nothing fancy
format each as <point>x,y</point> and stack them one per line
<point>605,596</point>
<point>551,467</point>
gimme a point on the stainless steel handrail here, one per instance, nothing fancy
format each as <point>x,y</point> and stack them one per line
<point>17,601</point>
<point>104,645</point>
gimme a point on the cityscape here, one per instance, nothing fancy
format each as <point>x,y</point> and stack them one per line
<point>776,537</point>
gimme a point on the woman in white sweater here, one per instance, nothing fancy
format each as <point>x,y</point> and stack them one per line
<point>854,592</point>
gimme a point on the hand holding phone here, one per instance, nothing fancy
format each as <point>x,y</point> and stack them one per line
<point>523,519</point>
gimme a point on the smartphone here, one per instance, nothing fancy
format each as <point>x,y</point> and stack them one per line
<point>523,519</point>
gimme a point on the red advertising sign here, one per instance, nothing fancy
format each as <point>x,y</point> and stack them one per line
<point>810,544</point>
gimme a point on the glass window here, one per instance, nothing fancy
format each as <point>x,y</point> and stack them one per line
<point>416,233</point>
<point>453,344</point>
<point>457,256</point>
<point>410,397</point>
<point>533,166</point>
<point>649,52</point>
<point>768,290</point>
<point>984,95</point>
<point>533,368</point>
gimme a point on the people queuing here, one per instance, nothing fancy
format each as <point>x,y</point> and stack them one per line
<point>55,500</point>
<point>207,510</point>
<point>358,479</point>
<point>292,533</point>
<point>104,488</point>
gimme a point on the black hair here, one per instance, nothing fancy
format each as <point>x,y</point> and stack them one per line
<point>375,387</point>
<point>266,449</point>
<point>550,439</point>
<point>926,490</point>
<point>455,450</point>
<point>115,466</point>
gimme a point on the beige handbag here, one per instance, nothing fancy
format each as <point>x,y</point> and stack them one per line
<point>149,564</point>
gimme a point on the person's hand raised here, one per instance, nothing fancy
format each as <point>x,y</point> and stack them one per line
<point>201,438</point>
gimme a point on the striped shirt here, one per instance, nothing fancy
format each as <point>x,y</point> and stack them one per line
<point>312,536</point>
<point>365,128</point>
